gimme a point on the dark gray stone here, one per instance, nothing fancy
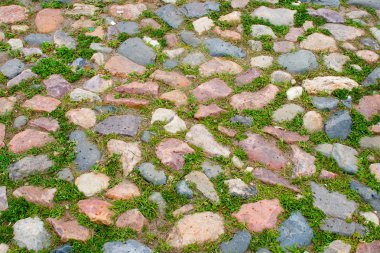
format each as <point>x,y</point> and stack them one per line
<point>36,39</point>
<point>190,38</point>
<point>170,63</point>
<point>30,165</point>
<point>171,15</point>
<point>238,244</point>
<point>211,169</point>
<point>129,27</point>
<point>150,174</point>
<point>86,153</point>
<point>137,51</point>
<point>325,103</point>
<point>183,189</point>
<point>12,68</point>
<point>245,120</point>
<point>197,10</point>
<point>368,195</point>
<point>338,125</point>
<point>368,42</point>
<point>341,227</point>
<point>218,48</point>
<point>366,3</point>
<point>106,109</point>
<point>123,125</point>
<point>63,249</point>
<point>130,246</point>
<point>373,77</point>
<point>298,62</point>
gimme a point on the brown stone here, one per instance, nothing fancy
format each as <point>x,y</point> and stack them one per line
<point>176,96</point>
<point>173,79</point>
<point>227,131</point>
<point>147,88</point>
<point>98,32</point>
<point>284,135</point>
<point>123,191</point>
<point>369,106</point>
<point>247,77</point>
<point>271,178</point>
<point>171,152</point>
<point>127,11</point>
<point>373,247</point>
<point>121,66</point>
<point>325,174</point>
<point>283,46</point>
<point>213,89</point>
<point>96,210</point>
<point>259,215</point>
<point>219,66</point>
<point>368,55</point>
<point>84,117</point>
<point>68,229</point>
<point>129,151</point>
<point>12,13</point>
<point>6,105</point>
<point>36,195</point>
<point>41,103</point>
<point>294,33</point>
<point>149,22</point>
<point>254,100</point>
<point>208,110</point>
<point>47,124</point>
<point>132,219</point>
<point>48,20</point>
<point>29,139</point>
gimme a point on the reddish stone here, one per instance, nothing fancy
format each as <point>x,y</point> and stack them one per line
<point>369,106</point>
<point>247,77</point>
<point>47,124</point>
<point>269,177</point>
<point>176,96</point>
<point>173,79</point>
<point>2,135</point>
<point>40,103</point>
<point>127,11</point>
<point>48,20</point>
<point>208,110</point>
<point>149,22</point>
<point>227,34</point>
<point>29,139</point>
<point>263,151</point>
<point>132,219</point>
<point>259,215</point>
<point>7,104</point>
<point>171,152</point>
<point>254,100</point>
<point>373,247</point>
<point>84,117</point>
<point>219,66</point>
<point>171,39</point>
<point>57,86</point>
<point>375,128</point>
<point>148,88</point>
<point>12,14</point>
<point>284,135</point>
<point>303,162</point>
<point>283,46</point>
<point>226,131</point>
<point>36,195</point>
<point>293,34</point>
<point>123,191</point>
<point>325,174</point>
<point>129,102</point>
<point>212,89</point>
<point>121,66</point>
<point>97,210</point>
<point>98,32</point>
<point>68,229</point>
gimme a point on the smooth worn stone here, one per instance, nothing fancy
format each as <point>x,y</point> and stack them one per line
<point>244,120</point>
<point>30,165</point>
<point>341,227</point>
<point>175,125</point>
<point>177,97</point>
<point>132,219</point>
<point>3,198</point>
<point>219,66</point>
<point>283,46</point>
<point>263,151</point>
<point>208,110</point>
<point>319,42</point>
<point>170,63</point>
<point>329,15</point>
<point>129,28</point>
<point>313,121</point>
<point>238,188</point>
<point>254,100</point>
<point>47,124</point>
<point>259,215</point>
<point>329,3</point>
<point>183,189</point>
<point>92,183</point>
<point>375,128</point>
<point>258,31</point>
<point>171,152</point>
<point>227,34</point>
<point>369,106</point>
<point>157,198</point>
<point>295,231</point>
<point>36,195</point>
<point>303,163</point>
<point>128,102</point>
<point>99,47</point>
<point>172,39</point>
<point>284,135</point>
<point>29,139</point>
<point>11,14</point>
<point>130,153</point>
<point>218,47</point>
<point>149,22</point>
<point>294,33</point>
<point>203,184</point>
<point>87,154</point>
<point>150,174</point>
<point>294,92</point>
<point>4,248</point>
<point>211,169</point>
<point>213,89</point>
<point>62,39</point>
<point>123,191</point>
<point>7,104</point>
<point>370,217</point>
<point>325,103</point>
<point>190,38</point>
<point>66,175</point>
<point>280,16</point>
<point>343,32</point>
<point>371,247</point>
<point>147,88</point>
<point>20,121</point>
<point>96,210</point>
<point>338,246</point>
<point>48,20</point>
<point>127,11</point>
<point>338,125</point>
<point>332,204</point>
<point>368,42</point>
<point>36,39</point>
<point>194,59</point>
<point>365,3</point>
<point>328,84</point>
<point>69,229</point>
<point>82,10</point>
<point>370,143</point>
<point>41,103</point>
<point>239,4</point>
<point>368,55</point>
<point>162,114</point>
<point>262,61</point>
<point>137,51</point>
<point>298,62</point>
<point>335,61</point>
<point>247,77</point>
<point>368,195</point>
<point>121,66</point>
<point>238,244</point>
<point>271,178</point>
<point>196,9</point>
<point>12,68</point>
<point>202,138</point>
<point>171,15</point>
<point>203,25</point>
<point>123,124</point>
<point>287,112</point>
<point>183,210</point>
<point>196,228</point>
<point>173,79</point>
<point>30,233</point>
<point>129,246</point>
<point>83,117</point>
<point>345,157</point>
<point>375,170</point>
<point>23,76</point>
<point>97,84</point>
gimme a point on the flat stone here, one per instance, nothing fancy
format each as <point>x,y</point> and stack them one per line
<point>121,66</point>
<point>132,219</point>
<point>4,248</point>
<point>29,165</point>
<point>319,42</point>
<point>211,169</point>
<point>227,34</point>
<point>178,97</point>
<point>330,16</point>
<point>20,122</point>
<point>130,153</point>
<point>96,210</point>
<point>82,10</point>
<point>271,178</point>
<point>343,32</point>
<point>12,68</point>
<point>254,100</point>
<point>62,39</point>
<point>368,55</point>
<point>190,38</point>
<point>247,77</point>
<point>128,102</point>
<point>129,246</point>
<point>203,25</point>
<point>328,84</point>
<point>262,30</point>
<point>78,95</point>
<point>370,143</point>
<point>97,84</point>
<point>29,139</point>
<point>23,76</point>
<point>150,174</point>
<point>183,210</point>
<point>375,170</point>
<point>137,51</point>
<point>157,198</point>
<point>171,15</point>
<point>280,16</point>
<point>370,217</point>
<point>341,227</point>
<point>303,163</point>
<point>183,189</point>
<point>239,3</point>
<point>41,103</point>
<point>123,125</point>
<point>325,103</point>
<point>7,104</point>
<point>365,3</point>
<point>238,244</point>
<point>87,154</point>
<point>12,14</point>
<point>372,247</point>
<point>47,124</point>
<point>30,233</point>
<point>36,39</point>
<point>147,88</point>
<point>338,246</point>
<point>196,9</point>
<point>3,198</point>
<point>218,48</point>
<point>194,59</point>
<point>68,229</point>
<point>345,157</point>
<point>219,66</point>
<point>262,61</point>
<point>36,195</point>
<point>339,125</point>
<point>287,112</point>
<point>213,89</point>
<point>48,20</point>
<point>66,175</point>
<point>173,79</point>
<point>123,191</point>
<point>203,184</point>
<point>238,188</point>
<point>171,152</point>
<point>298,62</point>
<point>208,110</point>
<point>368,195</point>
<point>83,117</point>
<point>92,183</point>
<point>369,106</point>
<point>284,135</point>
<point>294,33</point>
<point>127,11</point>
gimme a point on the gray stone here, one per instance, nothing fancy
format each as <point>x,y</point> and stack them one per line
<point>203,184</point>
<point>194,59</point>
<point>257,31</point>
<point>211,169</point>
<point>368,195</point>
<point>86,153</point>
<point>130,246</point>
<point>279,16</point>
<point>66,175</point>
<point>99,47</point>
<point>263,250</point>
<point>63,249</point>
<point>123,125</point>
<point>106,109</point>
<point>12,68</point>
<point>330,3</point>
<point>347,102</point>
<point>150,174</point>
<point>157,198</point>
<point>345,157</point>
<point>170,63</point>
<point>245,120</point>
<point>137,51</point>
<point>298,62</point>
<point>183,189</point>
<point>368,42</point>
<point>238,244</point>
<point>370,142</point>
<point>372,78</point>
<point>329,15</point>
<point>29,165</point>
<point>62,39</point>
<point>341,227</point>
<point>338,125</point>
<point>366,3</point>
<point>238,188</point>
<point>295,231</point>
<point>36,39</point>
<point>129,27</point>
<point>325,103</point>
<point>171,15</point>
<point>189,38</point>
<point>20,121</point>
<point>30,233</point>
<point>287,112</point>
<point>3,198</point>
<point>146,136</point>
<point>197,10</point>
<point>218,48</point>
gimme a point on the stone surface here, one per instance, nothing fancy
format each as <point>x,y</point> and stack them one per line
<point>123,191</point>
<point>271,178</point>
<point>150,174</point>
<point>371,247</point>
<point>92,183</point>
<point>68,229</point>
<point>30,233</point>
<point>303,163</point>
<point>36,195</point>
<point>147,88</point>
<point>96,210</point>
<point>40,103</point>
<point>280,16</point>
<point>370,196</point>
<point>338,125</point>
<point>218,48</point>
<point>254,100</point>
<point>338,246</point>
<point>213,89</point>
<point>171,152</point>
<point>341,227</point>
<point>136,50</point>
<point>203,184</point>
<point>132,219</point>
<point>287,112</point>
<point>48,20</point>
<point>284,135</point>
<point>121,66</point>
<point>369,106</point>
<point>328,84</point>
<point>319,42</point>
<point>343,32</point>
<point>173,79</point>
<point>238,244</point>
<point>87,154</point>
<point>3,198</point>
<point>83,117</point>
<point>124,125</point>
<point>29,165</point>
<point>298,62</point>
<point>345,157</point>
<point>129,246</point>
<point>29,139</point>
<point>218,66</point>
<point>47,124</point>
<point>130,153</point>
<point>238,188</point>
<point>12,13</point>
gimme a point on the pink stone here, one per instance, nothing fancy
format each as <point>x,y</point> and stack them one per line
<point>212,89</point>
<point>36,195</point>
<point>123,191</point>
<point>369,106</point>
<point>227,34</point>
<point>2,135</point>
<point>98,32</point>
<point>132,219</point>
<point>259,215</point>
<point>84,117</point>
<point>375,170</point>
<point>208,110</point>
<point>183,210</point>
<point>68,229</point>
<point>29,139</point>
<point>272,178</point>
<point>263,151</point>
<point>121,66</point>
<point>284,135</point>
<point>173,79</point>
<point>129,102</point>
<point>12,13</point>
<point>96,210</point>
<point>254,100</point>
<point>368,55</point>
<point>283,46</point>
<point>129,151</point>
<point>48,20</point>
<point>147,88</point>
<point>375,128</point>
<point>171,39</point>
<point>7,104</point>
<point>171,152</point>
<point>219,66</point>
<point>303,162</point>
<point>226,131</point>
<point>239,3</point>
<point>176,96</point>
<point>40,103</point>
<point>373,247</point>
<point>293,34</point>
<point>127,11</point>
<point>47,124</point>
<point>247,77</point>
<point>325,174</point>
<point>149,22</point>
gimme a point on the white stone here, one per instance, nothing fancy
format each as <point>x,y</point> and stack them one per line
<point>162,114</point>
<point>150,41</point>
<point>261,30</point>
<point>4,248</point>
<point>237,162</point>
<point>328,84</point>
<point>335,61</point>
<point>30,233</point>
<point>203,24</point>
<point>174,53</point>
<point>78,95</point>
<point>16,44</point>
<point>262,61</point>
<point>370,217</point>
<point>313,121</point>
<point>175,125</point>
<point>92,183</point>
<point>294,92</point>
<point>129,151</point>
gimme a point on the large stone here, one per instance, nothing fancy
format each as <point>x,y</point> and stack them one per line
<point>365,3</point>
<point>83,117</point>
<point>28,166</point>
<point>271,178</point>
<point>36,195</point>
<point>69,229</point>
<point>137,51</point>
<point>97,84</point>
<point>343,32</point>
<point>287,112</point>
<point>298,62</point>
<point>121,66</point>
<point>127,11</point>
<point>284,135</point>
<point>254,100</point>
<point>12,13</point>
<point>238,244</point>
<point>328,84</point>
<point>81,95</point>
<point>203,184</point>
<point>218,47</point>
<point>29,139</point>
<point>150,174</point>
<point>87,154</point>
<point>41,103</point>
<point>369,106</point>
<point>345,157</point>
<point>262,30</point>
<point>196,9</point>
<point>171,152</point>
<point>173,79</point>
<point>335,61</point>
<point>319,42</point>
<point>171,15</point>
<point>341,227</point>
<point>23,76</point>
<point>123,191</point>
<point>123,125</point>
<point>329,15</point>
<point>130,153</point>
<point>280,16</point>
<point>132,219</point>
<point>339,125</point>
<point>30,233</point>
<point>196,228</point>
<point>48,20</point>
<point>368,195</point>
<point>303,163</point>
<point>47,124</point>
<point>147,88</point>
<point>213,89</point>
<point>247,77</point>
<point>12,68</point>
<point>96,210</point>
<point>129,246</point>
<point>92,183</point>
<point>219,66</point>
